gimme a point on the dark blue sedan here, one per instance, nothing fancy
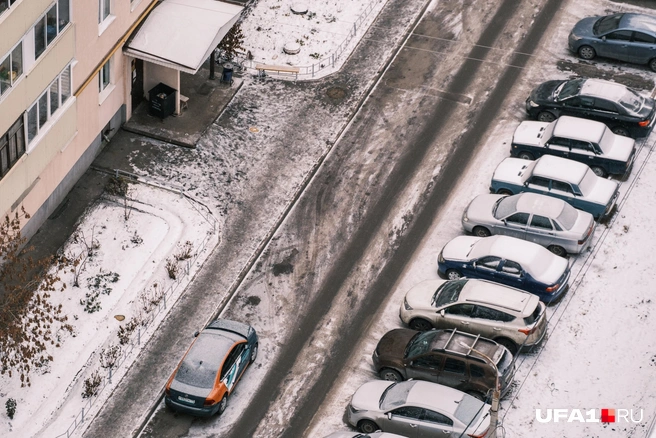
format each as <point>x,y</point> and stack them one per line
<point>625,37</point>
<point>506,260</point>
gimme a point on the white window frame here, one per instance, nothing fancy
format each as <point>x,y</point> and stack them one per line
<point>105,87</point>
<point>104,20</point>
<point>51,116</point>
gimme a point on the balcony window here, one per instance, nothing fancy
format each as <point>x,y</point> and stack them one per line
<point>11,68</point>
<point>12,146</point>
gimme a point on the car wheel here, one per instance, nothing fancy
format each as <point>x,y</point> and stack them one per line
<point>510,345</point>
<point>477,395</point>
<point>652,64</point>
<point>367,426</point>
<point>254,353</point>
<point>223,404</point>
<point>481,232</point>
<point>504,192</point>
<point>546,116</point>
<point>620,130</point>
<point>599,171</point>
<point>587,52</point>
<point>558,250</point>
<point>452,274</point>
<point>390,374</point>
<point>525,155</point>
<point>420,324</point>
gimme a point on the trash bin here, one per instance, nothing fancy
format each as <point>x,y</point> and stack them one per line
<point>162,101</point>
<point>226,76</point>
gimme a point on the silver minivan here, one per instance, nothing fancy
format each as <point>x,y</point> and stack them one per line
<point>541,219</point>
<point>513,318</point>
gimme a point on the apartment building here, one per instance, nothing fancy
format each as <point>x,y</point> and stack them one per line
<point>63,91</point>
<point>71,71</point>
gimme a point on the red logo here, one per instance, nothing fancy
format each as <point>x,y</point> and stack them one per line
<point>608,415</point>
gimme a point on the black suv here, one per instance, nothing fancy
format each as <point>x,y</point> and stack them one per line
<point>447,357</point>
<point>622,109</point>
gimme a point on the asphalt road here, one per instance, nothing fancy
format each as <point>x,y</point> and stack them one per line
<point>327,190</point>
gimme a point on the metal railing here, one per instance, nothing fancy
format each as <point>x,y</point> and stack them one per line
<point>248,65</point>
<point>143,325</point>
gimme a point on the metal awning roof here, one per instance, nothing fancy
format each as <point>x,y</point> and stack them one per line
<point>181,34</point>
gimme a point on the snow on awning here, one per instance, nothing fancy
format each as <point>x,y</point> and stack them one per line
<point>181,34</point>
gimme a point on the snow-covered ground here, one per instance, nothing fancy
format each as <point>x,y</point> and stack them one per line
<point>324,34</point>
<point>124,281</point>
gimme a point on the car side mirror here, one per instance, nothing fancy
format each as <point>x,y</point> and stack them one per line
<point>442,312</point>
<point>196,333</point>
<point>603,38</point>
<point>389,415</point>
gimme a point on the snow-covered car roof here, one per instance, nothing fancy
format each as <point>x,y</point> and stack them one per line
<point>604,89</point>
<point>529,254</point>
<point>639,22</point>
<point>561,169</point>
<point>433,395</point>
<point>487,292</point>
<point>579,129</point>
<point>540,204</point>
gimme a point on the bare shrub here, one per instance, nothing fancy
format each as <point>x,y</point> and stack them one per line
<point>92,385</point>
<point>109,356</point>
<point>172,269</point>
<point>185,252</point>
<point>10,405</point>
<point>125,331</point>
<point>27,317</point>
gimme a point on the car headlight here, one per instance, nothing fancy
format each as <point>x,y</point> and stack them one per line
<point>353,410</point>
<point>406,306</point>
<point>440,258</point>
<point>533,104</point>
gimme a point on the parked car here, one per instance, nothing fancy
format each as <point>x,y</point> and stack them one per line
<point>623,109</point>
<point>571,181</point>
<point>418,409</point>
<point>511,317</point>
<point>446,357</point>
<point>506,260</point>
<point>360,435</point>
<point>544,220</point>
<point>625,37</point>
<point>587,141</point>
<point>211,367</point>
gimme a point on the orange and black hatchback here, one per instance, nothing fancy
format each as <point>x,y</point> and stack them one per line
<point>211,368</point>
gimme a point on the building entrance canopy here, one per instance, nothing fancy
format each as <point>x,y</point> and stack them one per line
<point>181,34</point>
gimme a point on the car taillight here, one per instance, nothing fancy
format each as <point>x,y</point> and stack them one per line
<point>581,242</point>
<point>481,435</point>
<point>553,288</point>
<point>528,331</point>
<point>209,402</point>
<point>644,123</point>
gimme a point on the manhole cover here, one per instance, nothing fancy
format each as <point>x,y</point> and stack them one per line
<point>253,129</point>
<point>299,8</point>
<point>291,48</point>
<point>336,93</point>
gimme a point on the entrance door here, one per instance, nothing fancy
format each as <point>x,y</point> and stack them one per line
<point>137,82</point>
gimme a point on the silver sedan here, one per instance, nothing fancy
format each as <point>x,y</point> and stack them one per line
<point>541,219</point>
<point>417,408</point>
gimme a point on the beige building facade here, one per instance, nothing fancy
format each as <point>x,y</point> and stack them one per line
<point>64,89</point>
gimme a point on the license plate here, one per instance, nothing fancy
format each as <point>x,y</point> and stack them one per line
<point>187,400</point>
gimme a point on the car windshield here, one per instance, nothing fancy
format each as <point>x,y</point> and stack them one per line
<point>504,207</point>
<point>395,395</point>
<point>197,369</point>
<point>448,293</point>
<point>469,409</point>
<point>588,182</point>
<point>568,89</point>
<point>631,101</point>
<point>606,24</point>
<point>567,217</point>
<point>420,343</point>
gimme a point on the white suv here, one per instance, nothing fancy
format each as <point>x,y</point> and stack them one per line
<point>513,318</point>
